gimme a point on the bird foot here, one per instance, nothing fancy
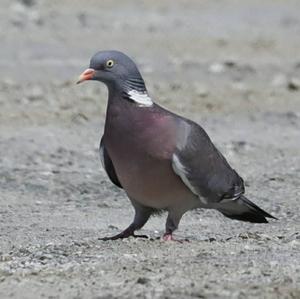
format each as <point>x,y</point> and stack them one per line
<point>123,235</point>
<point>169,237</point>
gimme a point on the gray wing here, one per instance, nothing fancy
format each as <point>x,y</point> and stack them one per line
<point>108,165</point>
<point>202,167</point>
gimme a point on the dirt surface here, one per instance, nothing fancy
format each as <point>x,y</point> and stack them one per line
<point>232,66</point>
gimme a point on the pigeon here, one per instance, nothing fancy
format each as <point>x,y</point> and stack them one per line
<point>163,161</point>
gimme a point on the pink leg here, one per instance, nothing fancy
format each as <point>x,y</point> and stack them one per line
<point>168,237</point>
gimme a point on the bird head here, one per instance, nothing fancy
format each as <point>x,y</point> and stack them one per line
<point>111,67</point>
<point>119,73</point>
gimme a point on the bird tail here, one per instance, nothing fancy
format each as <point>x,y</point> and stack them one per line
<point>245,210</point>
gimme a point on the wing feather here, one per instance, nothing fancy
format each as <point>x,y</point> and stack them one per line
<point>202,167</point>
<point>108,164</point>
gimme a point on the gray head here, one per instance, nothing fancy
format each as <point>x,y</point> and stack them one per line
<point>116,70</point>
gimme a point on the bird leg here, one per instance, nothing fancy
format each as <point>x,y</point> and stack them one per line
<point>171,225</point>
<point>142,215</point>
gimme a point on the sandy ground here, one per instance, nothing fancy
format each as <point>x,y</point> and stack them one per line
<point>232,66</point>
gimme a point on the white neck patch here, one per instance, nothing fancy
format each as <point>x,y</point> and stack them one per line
<point>141,98</point>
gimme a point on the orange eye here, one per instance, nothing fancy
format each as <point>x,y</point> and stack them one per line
<point>110,63</point>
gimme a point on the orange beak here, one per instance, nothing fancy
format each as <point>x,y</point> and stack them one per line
<point>88,74</point>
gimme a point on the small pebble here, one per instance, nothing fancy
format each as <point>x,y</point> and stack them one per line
<point>216,68</point>
<point>279,80</point>
<point>294,84</point>
<point>142,280</point>
<point>35,93</point>
<point>201,91</point>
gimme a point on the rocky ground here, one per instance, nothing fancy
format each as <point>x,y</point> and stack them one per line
<point>232,66</point>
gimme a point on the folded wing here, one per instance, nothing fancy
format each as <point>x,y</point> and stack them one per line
<point>202,167</point>
<point>108,165</point>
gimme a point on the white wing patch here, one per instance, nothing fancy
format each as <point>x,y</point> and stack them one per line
<point>181,171</point>
<point>183,136</point>
<point>101,152</point>
<point>141,98</point>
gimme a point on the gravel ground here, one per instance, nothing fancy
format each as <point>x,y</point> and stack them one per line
<point>232,66</point>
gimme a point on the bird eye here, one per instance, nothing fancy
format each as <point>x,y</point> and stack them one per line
<point>110,63</point>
